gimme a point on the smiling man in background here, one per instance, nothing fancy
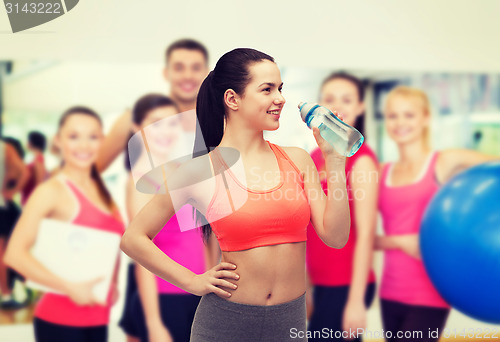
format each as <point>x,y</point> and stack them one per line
<point>186,66</point>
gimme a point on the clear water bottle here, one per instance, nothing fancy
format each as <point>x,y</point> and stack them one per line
<point>345,139</point>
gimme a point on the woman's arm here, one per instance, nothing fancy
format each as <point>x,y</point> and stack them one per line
<point>364,190</point>
<point>40,172</point>
<point>148,294</point>
<point>146,282</point>
<point>408,243</point>
<point>40,204</point>
<point>329,214</point>
<point>452,161</point>
<point>115,141</point>
<point>137,241</point>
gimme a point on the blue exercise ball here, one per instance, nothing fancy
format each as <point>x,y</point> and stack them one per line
<point>460,242</point>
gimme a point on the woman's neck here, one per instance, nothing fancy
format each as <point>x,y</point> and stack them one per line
<point>79,176</point>
<point>245,140</point>
<point>413,152</point>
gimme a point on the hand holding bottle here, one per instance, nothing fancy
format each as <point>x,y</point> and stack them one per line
<point>326,148</point>
<point>345,139</point>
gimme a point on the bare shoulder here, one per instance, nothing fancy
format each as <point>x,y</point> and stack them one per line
<point>197,167</point>
<point>452,159</point>
<point>296,151</point>
<point>47,194</point>
<point>365,163</point>
<point>448,155</point>
<point>53,187</point>
<point>191,172</point>
<point>299,156</point>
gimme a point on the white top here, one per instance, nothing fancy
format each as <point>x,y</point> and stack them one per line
<point>76,253</point>
<point>418,179</point>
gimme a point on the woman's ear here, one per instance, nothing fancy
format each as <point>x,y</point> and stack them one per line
<point>231,99</point>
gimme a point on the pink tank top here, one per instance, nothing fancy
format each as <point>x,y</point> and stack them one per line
<point>244,218</point>
<point>330,266</point>
<point>404,278</point>
<point>185,248</point>
<point>60,309</point>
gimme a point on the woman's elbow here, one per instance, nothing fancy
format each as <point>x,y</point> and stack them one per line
<point>340,242</point>
<point>10,258</point>
<point>125,243</point>
<point>343,236</point>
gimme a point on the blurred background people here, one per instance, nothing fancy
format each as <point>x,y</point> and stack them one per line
<point>76,195</point>
<point>36,169</point>
<point>342,281</point>
<point>186,66</point>
<point>13,177</point>
<point>161,311</point>
<point>409,301</point>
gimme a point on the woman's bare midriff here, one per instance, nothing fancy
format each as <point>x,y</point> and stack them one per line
<point>269,275</point>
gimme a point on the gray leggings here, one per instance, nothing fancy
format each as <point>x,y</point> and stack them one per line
<point>219,320</point>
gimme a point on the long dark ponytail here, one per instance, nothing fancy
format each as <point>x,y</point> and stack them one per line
<point>230,72</point>
<point>103,191</point>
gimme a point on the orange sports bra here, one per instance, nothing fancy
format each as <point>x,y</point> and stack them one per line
<point>243,218</point>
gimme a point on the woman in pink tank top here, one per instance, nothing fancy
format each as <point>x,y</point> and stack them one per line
<point>343,279</point>
<point>76,195</point>
<point>409,301</point>
<point>162,311</point>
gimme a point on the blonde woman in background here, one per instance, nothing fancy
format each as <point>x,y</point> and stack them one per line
<point>409,301</point>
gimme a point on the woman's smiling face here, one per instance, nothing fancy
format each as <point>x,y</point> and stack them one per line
<point>342,95</point>
<point>405,119</point>
<point>261,103</point>
<point>163,129</point>
<point>79,140</point>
